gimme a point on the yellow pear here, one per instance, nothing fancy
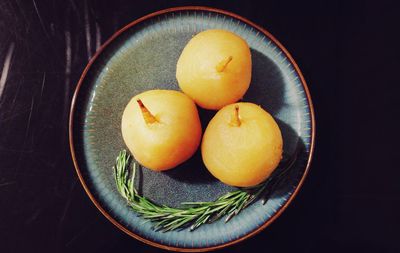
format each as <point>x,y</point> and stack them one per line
<point>242,145</point>
<point>214,68</point>
<point>161,128</point>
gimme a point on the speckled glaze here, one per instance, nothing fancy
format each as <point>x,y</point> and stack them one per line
<point>143,56</point>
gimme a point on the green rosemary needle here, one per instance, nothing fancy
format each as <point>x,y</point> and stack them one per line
<point>190,214</point>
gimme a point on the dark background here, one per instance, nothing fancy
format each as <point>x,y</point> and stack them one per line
<point>348,52</point>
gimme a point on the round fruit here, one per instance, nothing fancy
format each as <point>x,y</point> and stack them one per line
<point>214,68</point>
<point>161,128</point>
<point>242,145</point>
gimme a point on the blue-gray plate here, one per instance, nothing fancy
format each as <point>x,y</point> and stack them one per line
<point>143,56</point>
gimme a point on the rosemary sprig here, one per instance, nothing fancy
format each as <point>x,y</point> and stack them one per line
<point>193,214</point>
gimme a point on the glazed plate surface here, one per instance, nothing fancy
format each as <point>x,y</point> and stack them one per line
<point>143,56</point>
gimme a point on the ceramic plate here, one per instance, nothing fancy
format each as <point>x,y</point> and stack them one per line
<point>143,56</point>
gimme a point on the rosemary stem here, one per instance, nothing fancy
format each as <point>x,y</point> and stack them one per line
<point>193,214</point>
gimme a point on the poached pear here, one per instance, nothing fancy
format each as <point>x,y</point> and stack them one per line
<point>242,145</point>
<point>161,128</point>
<point>214,68</point>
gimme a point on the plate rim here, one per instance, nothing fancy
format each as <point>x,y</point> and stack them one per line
<point>73,109</point>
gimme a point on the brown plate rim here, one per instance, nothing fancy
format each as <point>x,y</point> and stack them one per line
<point>101,49</point>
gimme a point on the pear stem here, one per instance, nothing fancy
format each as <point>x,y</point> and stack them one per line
<point>235,120</point>
<point>223,64</point>
<point>147,116</point>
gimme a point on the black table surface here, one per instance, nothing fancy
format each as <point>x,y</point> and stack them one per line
<point>348,52</point>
